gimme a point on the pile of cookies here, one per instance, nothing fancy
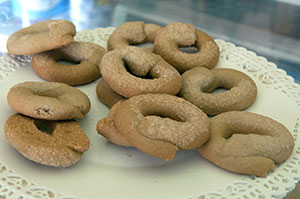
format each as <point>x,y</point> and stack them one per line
<point>160,97</point>
<point>44,129</point>
<point>160,110</point>
<point>50,43</point>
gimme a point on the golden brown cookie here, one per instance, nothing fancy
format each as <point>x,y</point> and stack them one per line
<point>61,145</point>
<point>106,127</point>
<point>106,95</point>
<point>198,83</point>
<point>132,71</point>
<point>40,37</point>
<point>131,33</point>
<point>48,100</point>
<point>176,35</point>
<point>161,124</point>
<point>247,143</point>
<point>87,56</point>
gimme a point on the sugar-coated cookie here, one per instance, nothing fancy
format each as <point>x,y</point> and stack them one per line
<point>106,95</point>
<point>131,33</point>
<point>48,100</point>
<point>247,143</point>
<point>40,37</point>
<point>85,55</point>
<point>132,71</point>
<point>61,145</point>
<point>161,124</point>
<point>199,82</point>
<point>176,35</point>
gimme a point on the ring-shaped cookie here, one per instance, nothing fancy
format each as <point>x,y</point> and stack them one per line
<point>116,64</point>
<point>40,37</point>
<point>176,35</point>
<point>106,95</point>
<point>197,84</point>
<point>131,33</point>
<point>87,55</point>
<point>107,128</point>
<point>247,143</point>
<point>61,145</point>
<point>48,100</point>
<point>161,124</point>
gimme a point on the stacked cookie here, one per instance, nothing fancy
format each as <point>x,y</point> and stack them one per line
<point>157,124</point>
<point>140,86</point>
<point>44,129</point>
<point>51,42</point>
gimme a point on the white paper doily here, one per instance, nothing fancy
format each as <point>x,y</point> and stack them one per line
<point>264,73</point>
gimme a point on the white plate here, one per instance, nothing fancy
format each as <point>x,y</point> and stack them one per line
<point>110,171</point>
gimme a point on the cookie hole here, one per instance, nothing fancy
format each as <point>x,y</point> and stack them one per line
<point>64,62</point>
<point>228,136</point>
<point>48,94</point>
<point>164,115</point>
<point>147,76</point>
<point>144,45</point>
<point>189,49</point>
<point>44,126</point>
<point>218,90</point>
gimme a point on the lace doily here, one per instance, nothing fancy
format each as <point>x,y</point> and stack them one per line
<point>275,185</point>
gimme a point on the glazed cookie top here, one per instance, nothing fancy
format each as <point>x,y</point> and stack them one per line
<point>48,100</point>
<point>40,37</point>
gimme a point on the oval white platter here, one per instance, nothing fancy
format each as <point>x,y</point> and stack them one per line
<point>110,171</point>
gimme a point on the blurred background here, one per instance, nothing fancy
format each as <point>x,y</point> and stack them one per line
<point>268,27</point>
<point>271,28</point>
